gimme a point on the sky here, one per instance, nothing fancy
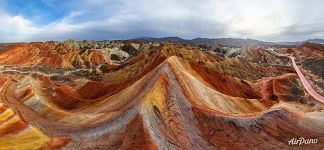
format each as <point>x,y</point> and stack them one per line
<point>268,20</point>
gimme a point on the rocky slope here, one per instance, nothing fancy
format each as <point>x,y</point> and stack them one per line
<point>310,58</point>
<point>165,96</point>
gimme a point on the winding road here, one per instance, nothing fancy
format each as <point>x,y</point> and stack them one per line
<point>16,70</point>
<point>304,81</point>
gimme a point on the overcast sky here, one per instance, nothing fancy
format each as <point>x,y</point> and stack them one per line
<point>269,20</point>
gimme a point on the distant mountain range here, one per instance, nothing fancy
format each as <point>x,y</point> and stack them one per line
<point>210,41</point>
<point>224,41</point>
<point>318,41</point>
<point>217,41</point>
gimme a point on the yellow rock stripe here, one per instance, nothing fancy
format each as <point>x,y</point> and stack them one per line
<point>9,122</point>
<point>6,114</point>
<point>30,138</point>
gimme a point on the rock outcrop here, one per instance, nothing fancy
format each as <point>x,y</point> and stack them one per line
<point>170,96</point>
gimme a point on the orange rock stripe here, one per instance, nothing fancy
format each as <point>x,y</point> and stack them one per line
<point>13,128</point>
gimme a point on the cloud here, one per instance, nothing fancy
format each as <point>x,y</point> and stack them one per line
<point>15,28</point>
<point>108,19</point>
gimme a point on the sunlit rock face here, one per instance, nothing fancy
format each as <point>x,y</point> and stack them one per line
<point>141,95</point>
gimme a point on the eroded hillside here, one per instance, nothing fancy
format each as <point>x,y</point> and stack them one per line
<point>137,95</point>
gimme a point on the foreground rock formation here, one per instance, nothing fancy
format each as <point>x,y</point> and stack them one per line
<point>135,95</point>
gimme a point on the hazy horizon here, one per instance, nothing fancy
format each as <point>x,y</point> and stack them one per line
<point>62,40</point>
<point>59,20</point>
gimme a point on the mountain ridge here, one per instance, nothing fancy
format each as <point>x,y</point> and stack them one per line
<point>161,96</point>
<point>199,40</point>
<point>226,41</point>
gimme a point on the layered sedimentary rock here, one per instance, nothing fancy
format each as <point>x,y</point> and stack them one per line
<point>310,59</point>
<point>170,96</point>
<point>15,133</point>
